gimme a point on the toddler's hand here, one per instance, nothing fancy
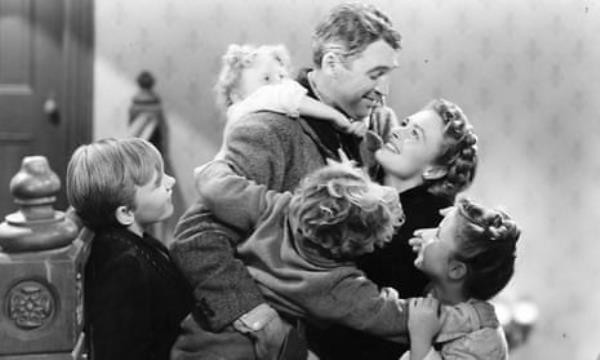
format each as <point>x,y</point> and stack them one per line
<point>417,241</point>
<point>342,122</point>
<point>423,318</point>
<point>358,129</point>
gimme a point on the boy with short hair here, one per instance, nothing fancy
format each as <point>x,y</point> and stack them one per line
<point>135,297</point>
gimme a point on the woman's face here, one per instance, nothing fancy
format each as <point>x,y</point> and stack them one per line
<point>413,146</point>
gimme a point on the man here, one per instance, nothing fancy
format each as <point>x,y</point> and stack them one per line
<point>354,51</point>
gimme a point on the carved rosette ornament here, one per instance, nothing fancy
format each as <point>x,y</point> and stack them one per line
<point>30,305</point>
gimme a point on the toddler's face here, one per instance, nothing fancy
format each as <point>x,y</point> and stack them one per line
<point>435,247</point>
<point>264,70</point>
<point>413,146</point>
<point>153,200</point>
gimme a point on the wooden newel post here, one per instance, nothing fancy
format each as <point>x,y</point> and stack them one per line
<point>146,118</point>
<point>42,259</point>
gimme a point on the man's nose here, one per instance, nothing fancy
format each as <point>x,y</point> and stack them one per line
<point>382,86</point>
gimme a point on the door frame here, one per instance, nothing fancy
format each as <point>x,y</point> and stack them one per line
<point>78,70</point>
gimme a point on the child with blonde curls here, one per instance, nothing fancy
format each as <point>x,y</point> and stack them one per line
<point>469,258</point>
<point>303,245</point>
<point>257,78</point>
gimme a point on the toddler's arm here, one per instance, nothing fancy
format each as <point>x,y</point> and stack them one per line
<point>232,198</point>
<point>345,296</point>
<point>288,97</point>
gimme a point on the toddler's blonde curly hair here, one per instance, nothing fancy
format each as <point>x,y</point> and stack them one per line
<point>237,58</point>
<point>342,211</point>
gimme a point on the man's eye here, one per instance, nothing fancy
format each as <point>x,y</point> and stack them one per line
<point>414,133</point>
<point>267,78</point>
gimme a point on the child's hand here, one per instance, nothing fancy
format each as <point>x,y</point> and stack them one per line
<point>358,129</point>
<point>342,122</point>
<point>423,319</point>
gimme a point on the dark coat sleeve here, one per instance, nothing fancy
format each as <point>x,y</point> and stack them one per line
<point>204,250</point>
<point>121,313</point>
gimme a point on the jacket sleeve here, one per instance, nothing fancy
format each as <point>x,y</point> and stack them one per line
<point>465,318</point>
<point>232,198</point>
<point>356,302</point>
<point>257,150</point>
<point>121,325</point>
<point>204,250</point>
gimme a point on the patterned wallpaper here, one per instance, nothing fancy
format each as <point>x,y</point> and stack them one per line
<point>525,71</point>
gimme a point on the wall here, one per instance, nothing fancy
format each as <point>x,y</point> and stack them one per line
<point>526,73</point>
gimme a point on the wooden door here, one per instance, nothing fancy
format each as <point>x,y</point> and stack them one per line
<point>45,85</point>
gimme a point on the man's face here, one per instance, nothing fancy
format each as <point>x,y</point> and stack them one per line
<point>359,84</point>
<point>413,145</point>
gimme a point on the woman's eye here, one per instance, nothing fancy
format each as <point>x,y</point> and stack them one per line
<point>414,133</point>
<point>267,78</point>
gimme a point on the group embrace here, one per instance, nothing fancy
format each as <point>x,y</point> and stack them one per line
<point>325,228</point>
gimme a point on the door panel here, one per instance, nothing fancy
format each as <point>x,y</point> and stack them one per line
<point>32,72</point>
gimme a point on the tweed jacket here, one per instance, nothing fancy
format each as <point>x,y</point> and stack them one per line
<point>271,149</point>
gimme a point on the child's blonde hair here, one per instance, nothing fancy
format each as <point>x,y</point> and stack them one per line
<point>239,57</point>
<point>103,175</point>
<point>342,211</point>
<point>486,242</point>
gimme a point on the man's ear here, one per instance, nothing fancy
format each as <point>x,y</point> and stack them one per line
<point>434,172</point>
<point>124,215</point>
<point>457,270</point>
<point>330,63</point>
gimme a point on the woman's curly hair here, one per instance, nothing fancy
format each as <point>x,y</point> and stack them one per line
<point>239,57</point>
<point>459,150</point>
<point>486,243</point>
<point>345,214</point>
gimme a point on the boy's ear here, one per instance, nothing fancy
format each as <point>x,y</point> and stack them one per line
<point>457,270</point>
<point>124,215</point>
<point>434,172</point>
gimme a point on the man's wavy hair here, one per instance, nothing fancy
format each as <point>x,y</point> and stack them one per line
<point>340,211</point>
<point>237,58</point>
<point>458,154</point>
<point>349,28</point>
<point>486,242</point>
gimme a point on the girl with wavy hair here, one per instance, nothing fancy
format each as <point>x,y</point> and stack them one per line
<point>469,258</point>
